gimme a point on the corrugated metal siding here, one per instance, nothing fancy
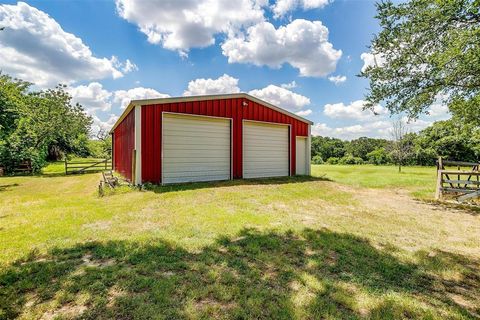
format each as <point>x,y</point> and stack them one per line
<point>229,108</point>
<point>124,144</point>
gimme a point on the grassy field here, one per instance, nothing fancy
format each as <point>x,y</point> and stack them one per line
<point>349,242</point>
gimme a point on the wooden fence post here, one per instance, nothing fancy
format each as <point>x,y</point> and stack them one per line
<point>66,171</point>
<point>438,191</point>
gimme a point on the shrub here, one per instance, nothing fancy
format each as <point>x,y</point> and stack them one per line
<point>349,159</point>
<point>378,156</point>
<point>332,160</point>
<point>317,159</point>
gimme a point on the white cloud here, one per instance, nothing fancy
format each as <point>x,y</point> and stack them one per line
<point>304,113</point>
<point>92,97</point>
<point>281,97</point>
<point>370,60</point>
<point>181,25</point>
<point>302,43</point>
<point>103,125</point>
<point>123,97</point>
<point>374,129</point>
<point>223,84</point>
<point>97,100</point>
<point>337,79</point>
<point>290,85</point>
<point>281,7</point>
<point>354,110</point>
<point>379,128</point>
<point>34,47</point>
<point>126,67</point>
<point>439,111</point>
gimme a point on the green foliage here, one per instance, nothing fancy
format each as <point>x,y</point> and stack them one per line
<point>361,147</point>
<point>379,156</point>
<point>328,147</point>
<point>100,148</point>
<point>333,160</point>
<point>317,159</point>
<point>35,126</point>
<point>350,159</point>
<point>451,140</point>
<point>427,51</point>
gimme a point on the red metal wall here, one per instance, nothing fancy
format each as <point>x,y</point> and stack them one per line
<point>229,108</point>
<point>123,145</point>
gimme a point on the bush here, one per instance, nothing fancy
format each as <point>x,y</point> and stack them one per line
<point>332,160</point>
<point>317,159</point>
<point>349,159</point>
<point>378,156</point>
<point>425,157</point>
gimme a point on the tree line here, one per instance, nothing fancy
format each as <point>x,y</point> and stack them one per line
<point>450,139</point>
<point>43,125</point>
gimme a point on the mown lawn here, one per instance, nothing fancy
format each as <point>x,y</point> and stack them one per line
<point>347,243</point>
<point>420,181</point>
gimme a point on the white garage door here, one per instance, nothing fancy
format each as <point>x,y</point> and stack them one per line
<point>195,148</point>
<point>301,156</point>
<point>265,150</point>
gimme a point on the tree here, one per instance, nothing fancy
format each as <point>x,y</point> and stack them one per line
<point>400,148</point>
<point>32,124</point>
<point>378,156</point>
<point>450,139</point>
<point>327,147</point>
<point>427,51</point>
<point>361,147</point>
<point>13,94</point>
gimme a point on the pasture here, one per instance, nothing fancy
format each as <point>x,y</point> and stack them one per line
<point>349,242</point>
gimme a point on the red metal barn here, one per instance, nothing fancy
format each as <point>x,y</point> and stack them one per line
<point>207,138</point>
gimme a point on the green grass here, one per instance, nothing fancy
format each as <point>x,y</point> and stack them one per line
<point>352,246</point>
<point>420,181</point>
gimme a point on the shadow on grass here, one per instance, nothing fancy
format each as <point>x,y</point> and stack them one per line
<point>313,274</point>
<point>5,187</point>
<point>468,208</point>
<point>231,183</point>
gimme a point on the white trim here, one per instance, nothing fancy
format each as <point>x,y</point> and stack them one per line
<point>138,145</point>
<point>205,98</point>
<point>306,164</point>
<point>200,116</point>
<point>272,123</point>
<point>268,122</point>
<point>309,151</point>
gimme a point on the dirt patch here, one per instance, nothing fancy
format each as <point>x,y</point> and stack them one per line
<point>67,311</point>
<point>88,261</point>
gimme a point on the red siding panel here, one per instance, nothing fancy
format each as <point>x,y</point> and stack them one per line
<point>229,108</point>
<point>124,144</point>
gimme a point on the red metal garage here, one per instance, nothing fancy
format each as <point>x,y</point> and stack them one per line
<point>205,138</point>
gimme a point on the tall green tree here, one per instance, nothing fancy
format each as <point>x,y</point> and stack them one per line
<point>449,139</point>
<point>362,146</point>
<point>13,94</point>
<point>33,123</point>
<point>327,147</point>
<point>427,50</point>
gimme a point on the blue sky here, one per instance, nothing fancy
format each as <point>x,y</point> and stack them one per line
<point>288,52</point>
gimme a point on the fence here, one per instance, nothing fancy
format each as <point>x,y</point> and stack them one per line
<point>87,166</point>
<point>461,184</point>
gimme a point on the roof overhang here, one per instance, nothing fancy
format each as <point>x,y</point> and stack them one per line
<point>145,102</point>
